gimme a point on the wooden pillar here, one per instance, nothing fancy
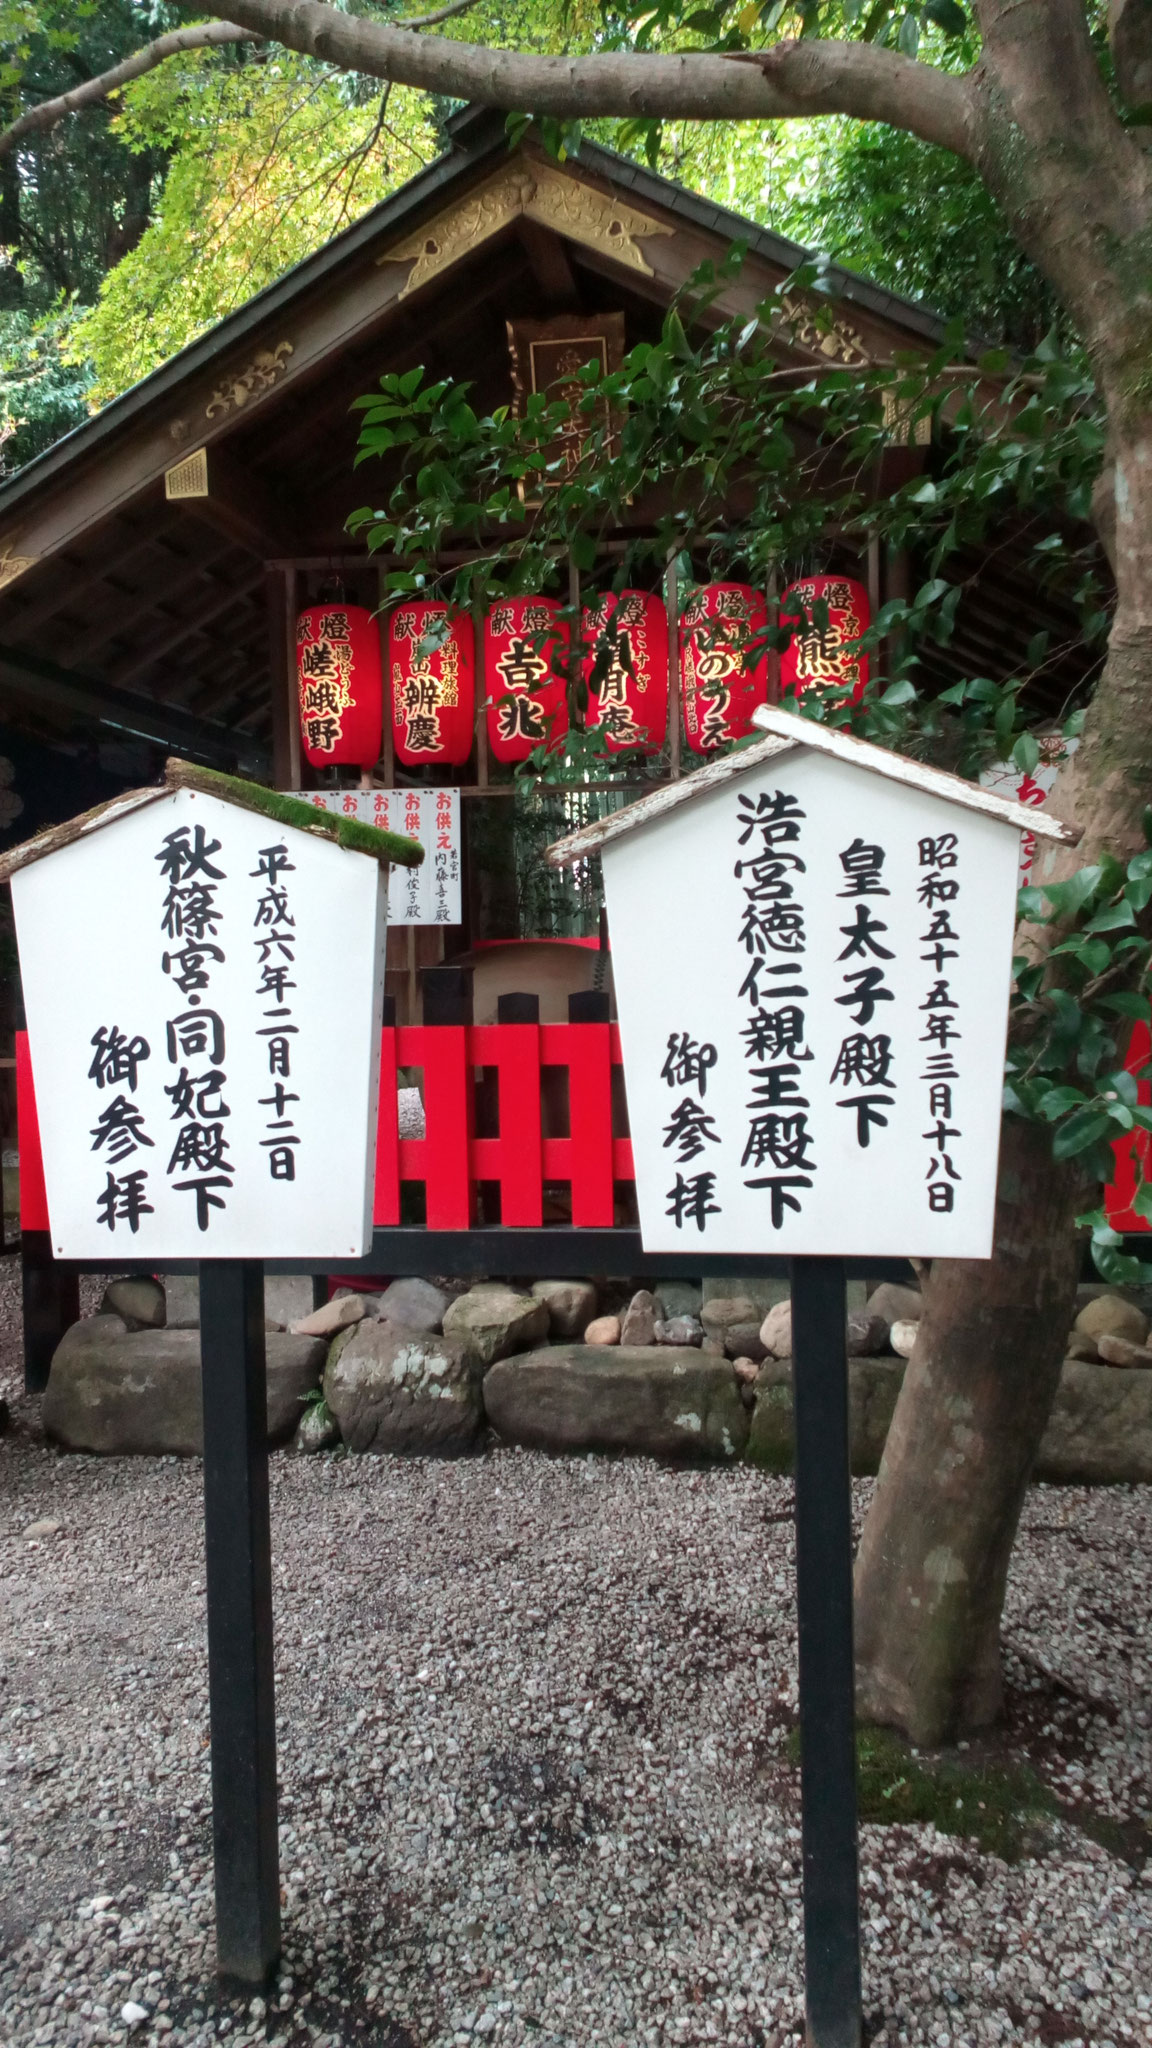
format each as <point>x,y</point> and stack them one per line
<point>672,607</point>
<point>481,704</point>
<point>238,1570</point>
<point>280,596</point>
<point>897,583</point>
<point>873,561</point>
<point>824,1619</point>
<point>388,758</point>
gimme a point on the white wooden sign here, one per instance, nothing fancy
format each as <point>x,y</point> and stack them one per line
<point>425,895</point>
<point>812,957</point>
<point>203,990</point>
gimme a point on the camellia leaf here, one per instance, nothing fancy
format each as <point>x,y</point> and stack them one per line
<point>1128,1004</point>
<point>1080,1131</point>
<point>1111,918</point>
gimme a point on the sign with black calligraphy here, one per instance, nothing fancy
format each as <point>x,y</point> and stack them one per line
<point>811,947</point>
<point>203,988</point>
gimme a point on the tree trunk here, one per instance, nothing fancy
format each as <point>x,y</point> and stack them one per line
<point>933,1561</point>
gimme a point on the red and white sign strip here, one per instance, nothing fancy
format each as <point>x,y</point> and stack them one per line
<point>425,895</point>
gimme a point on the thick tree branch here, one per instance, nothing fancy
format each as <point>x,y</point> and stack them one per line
<point>208,36</point>
<point>790,80</point>
<point>1074,185</point>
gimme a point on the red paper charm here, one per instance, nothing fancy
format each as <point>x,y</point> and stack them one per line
<point>816,654</point>
<point>341,687</point>
<point>630,700</point>
<point>525,658</point>
<point>433,685</point>
<point>720,693</point>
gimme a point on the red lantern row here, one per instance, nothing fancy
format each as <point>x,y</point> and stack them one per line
<point>432,671</point>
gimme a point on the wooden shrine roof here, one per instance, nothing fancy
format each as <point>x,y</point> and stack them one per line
<point>125,607</point>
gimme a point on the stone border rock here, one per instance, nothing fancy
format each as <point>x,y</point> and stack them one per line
<point>714,1385</point>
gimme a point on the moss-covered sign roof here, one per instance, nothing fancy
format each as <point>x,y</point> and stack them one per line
<point>389,848</point>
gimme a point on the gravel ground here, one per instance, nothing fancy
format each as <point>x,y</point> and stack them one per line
<point>533,1721</point>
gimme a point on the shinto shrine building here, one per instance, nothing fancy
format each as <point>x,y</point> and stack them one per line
<point>154,563</point>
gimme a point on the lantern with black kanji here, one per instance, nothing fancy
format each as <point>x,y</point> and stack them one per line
<point>432,684</point>
<point>525,664</point>
<point>819,653</point>
<point>341,687</point>
<point>719,686</point>
<point>626,669</point>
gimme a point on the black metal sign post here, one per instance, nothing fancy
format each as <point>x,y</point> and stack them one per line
<point>827,1672</point>
<point>239,1582</point>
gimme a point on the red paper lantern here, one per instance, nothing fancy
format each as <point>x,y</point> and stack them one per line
<point>432,685</point>
<point>341,687</point>
<point>525,663</point>
<point>816,654</point>
<point>720,693</point>
<point>630,700</point>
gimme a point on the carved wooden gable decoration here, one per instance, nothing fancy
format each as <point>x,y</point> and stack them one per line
<point>540,192</point>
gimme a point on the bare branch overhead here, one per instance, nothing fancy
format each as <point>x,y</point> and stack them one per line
<point>208,35</point>
<point>790,80</point>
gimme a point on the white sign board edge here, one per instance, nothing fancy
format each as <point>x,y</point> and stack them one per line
<point>88,920</point>
<point>675,907</point>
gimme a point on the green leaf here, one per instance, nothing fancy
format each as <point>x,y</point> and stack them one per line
<point>1120,1268</point>
<point>948,16</point>
<point>1068,1012</point>
<point>1058,1101</point>
<point>1128,1004</point>
<point>1111,918</point>
<point>898,693</point>
<point>1069,896</point>
<point>1031,904</point>
<point>674,329</point>
<point>1026,753</point>
<point>1080,1131</point>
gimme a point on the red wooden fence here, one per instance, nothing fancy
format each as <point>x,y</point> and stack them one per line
<point>529,1063</point>
<point>525,1156</point>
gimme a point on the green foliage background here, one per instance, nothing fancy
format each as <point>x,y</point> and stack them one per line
<point>130,229</point>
